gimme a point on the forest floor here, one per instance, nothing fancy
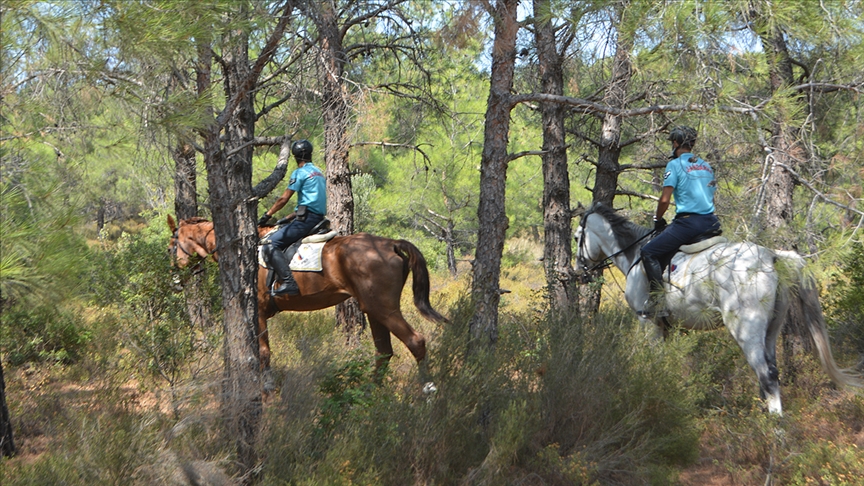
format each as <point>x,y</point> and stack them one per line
<point>43,399</point>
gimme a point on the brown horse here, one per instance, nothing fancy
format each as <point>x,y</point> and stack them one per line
<point>372,269</point>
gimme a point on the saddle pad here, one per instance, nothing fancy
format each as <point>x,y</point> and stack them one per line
<point>703,245</point>
<point>307,258</point>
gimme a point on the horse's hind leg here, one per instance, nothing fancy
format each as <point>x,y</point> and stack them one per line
<point>396,324</point>
<point>752,342</point>
<point>383,346</point>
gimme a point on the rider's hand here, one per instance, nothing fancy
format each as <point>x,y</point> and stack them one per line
<point>264,219</point>
<point>659,225</point>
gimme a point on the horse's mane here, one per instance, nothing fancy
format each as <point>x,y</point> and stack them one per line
<point>195,220</point>
<point>625,231</point>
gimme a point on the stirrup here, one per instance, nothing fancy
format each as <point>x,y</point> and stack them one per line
<point>652,314</point>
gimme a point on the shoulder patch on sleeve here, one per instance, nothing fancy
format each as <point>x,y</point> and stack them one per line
<point>667,174</point>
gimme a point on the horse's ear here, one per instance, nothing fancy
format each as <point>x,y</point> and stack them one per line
<point>578,211</point>
<point>171,225</point>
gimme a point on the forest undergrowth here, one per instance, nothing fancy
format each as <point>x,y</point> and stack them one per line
<point>556,402</point>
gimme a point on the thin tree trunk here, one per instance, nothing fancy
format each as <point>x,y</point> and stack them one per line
<point>186,206</point>
<point>779,210</point>
<point>234,216</point>
<point>557,251</point>
<point>185,181</point>
<point>336,113</point>
<point>493,176</point>
<point>608,166</point>
<point>7,445</point>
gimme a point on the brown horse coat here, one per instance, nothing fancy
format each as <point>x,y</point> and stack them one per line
<point>372,269</point>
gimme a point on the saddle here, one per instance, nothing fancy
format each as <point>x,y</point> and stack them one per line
<point>319,233</point>
<point>702,244</point>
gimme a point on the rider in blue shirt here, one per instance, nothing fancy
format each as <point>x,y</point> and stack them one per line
<point>310,185</point>
<point>691,181</point>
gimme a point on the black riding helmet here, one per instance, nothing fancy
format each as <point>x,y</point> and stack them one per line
<point>684,135</point>
<point>302,149</point>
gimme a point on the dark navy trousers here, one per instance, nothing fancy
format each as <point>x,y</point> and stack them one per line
<point>683,230</point>
<point>294,230</point>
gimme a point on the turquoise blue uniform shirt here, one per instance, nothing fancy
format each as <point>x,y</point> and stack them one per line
<point>311,188</point>
<point>693,182</point>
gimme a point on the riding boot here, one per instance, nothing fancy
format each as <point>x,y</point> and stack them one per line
<point>654,273</point>
<point>288,285</point>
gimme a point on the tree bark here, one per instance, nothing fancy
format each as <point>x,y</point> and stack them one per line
<point>7,445</point>
<point>786,150</point>
<point>557,251</point>
<point>609,151</point>
<point>336,114</point>
<point>186,206</point>
<point>491,214</point>
<point>185,181</point>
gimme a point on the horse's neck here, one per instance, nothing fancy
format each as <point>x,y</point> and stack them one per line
<point>205,237</point>
<point>623,262</point>
<point>621,259</point>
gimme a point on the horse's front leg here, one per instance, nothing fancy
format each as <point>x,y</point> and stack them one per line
<point>653,328</point>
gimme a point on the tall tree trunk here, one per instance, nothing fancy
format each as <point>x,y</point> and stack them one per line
<point>7,445</point>
<point>779,208</point>
<point>786,151</point>
<point>608,166</point>
<point>336,113</point>
<point>557,251</point>
<point>493,177</point>
<point>234,216</point>
<point>186,206</point>
<point>185,181</point>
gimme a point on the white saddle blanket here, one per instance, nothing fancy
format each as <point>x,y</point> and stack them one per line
<point>308,255</point>
<point>307,258</point>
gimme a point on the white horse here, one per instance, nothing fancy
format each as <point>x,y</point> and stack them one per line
<point>743,286</point>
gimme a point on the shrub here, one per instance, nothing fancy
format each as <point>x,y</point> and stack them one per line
<point>605,407</point>
<point>42,334</point>
<point>846,303</point>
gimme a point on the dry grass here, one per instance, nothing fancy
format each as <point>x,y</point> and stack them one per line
<point>563,402</point>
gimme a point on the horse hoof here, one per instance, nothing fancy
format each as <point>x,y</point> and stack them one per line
<point>429,388</point>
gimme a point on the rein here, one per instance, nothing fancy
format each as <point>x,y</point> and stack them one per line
<point>197,268</point>
<point>178,245</point>
<point>606,262</point>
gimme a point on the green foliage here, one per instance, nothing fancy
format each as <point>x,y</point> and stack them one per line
<point>41,256</point>
<point>134,277</point>
<point>828,463</point>
<point>45,333</point>
<point>111,447</point>
<point>846,301</point>
<point>600,411</point>
<point>346,389</point>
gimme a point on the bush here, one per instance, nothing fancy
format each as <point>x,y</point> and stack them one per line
<point>42,334</point>
<point>566,401</point>
<point>846,304</point>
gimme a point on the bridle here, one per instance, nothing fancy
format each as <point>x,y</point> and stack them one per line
<point>586,276</point>
<point>196,268</point>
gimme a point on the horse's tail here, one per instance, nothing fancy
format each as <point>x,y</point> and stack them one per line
<point>416,263</point>
<point>808,296</point>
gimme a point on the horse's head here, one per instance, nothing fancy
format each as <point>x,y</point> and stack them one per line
<point>191,240</point>
<point>605,237</point>
<point>589,254</point>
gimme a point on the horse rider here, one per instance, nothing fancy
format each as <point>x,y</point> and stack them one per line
<point>691,180</point>
<point>311,188</point>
